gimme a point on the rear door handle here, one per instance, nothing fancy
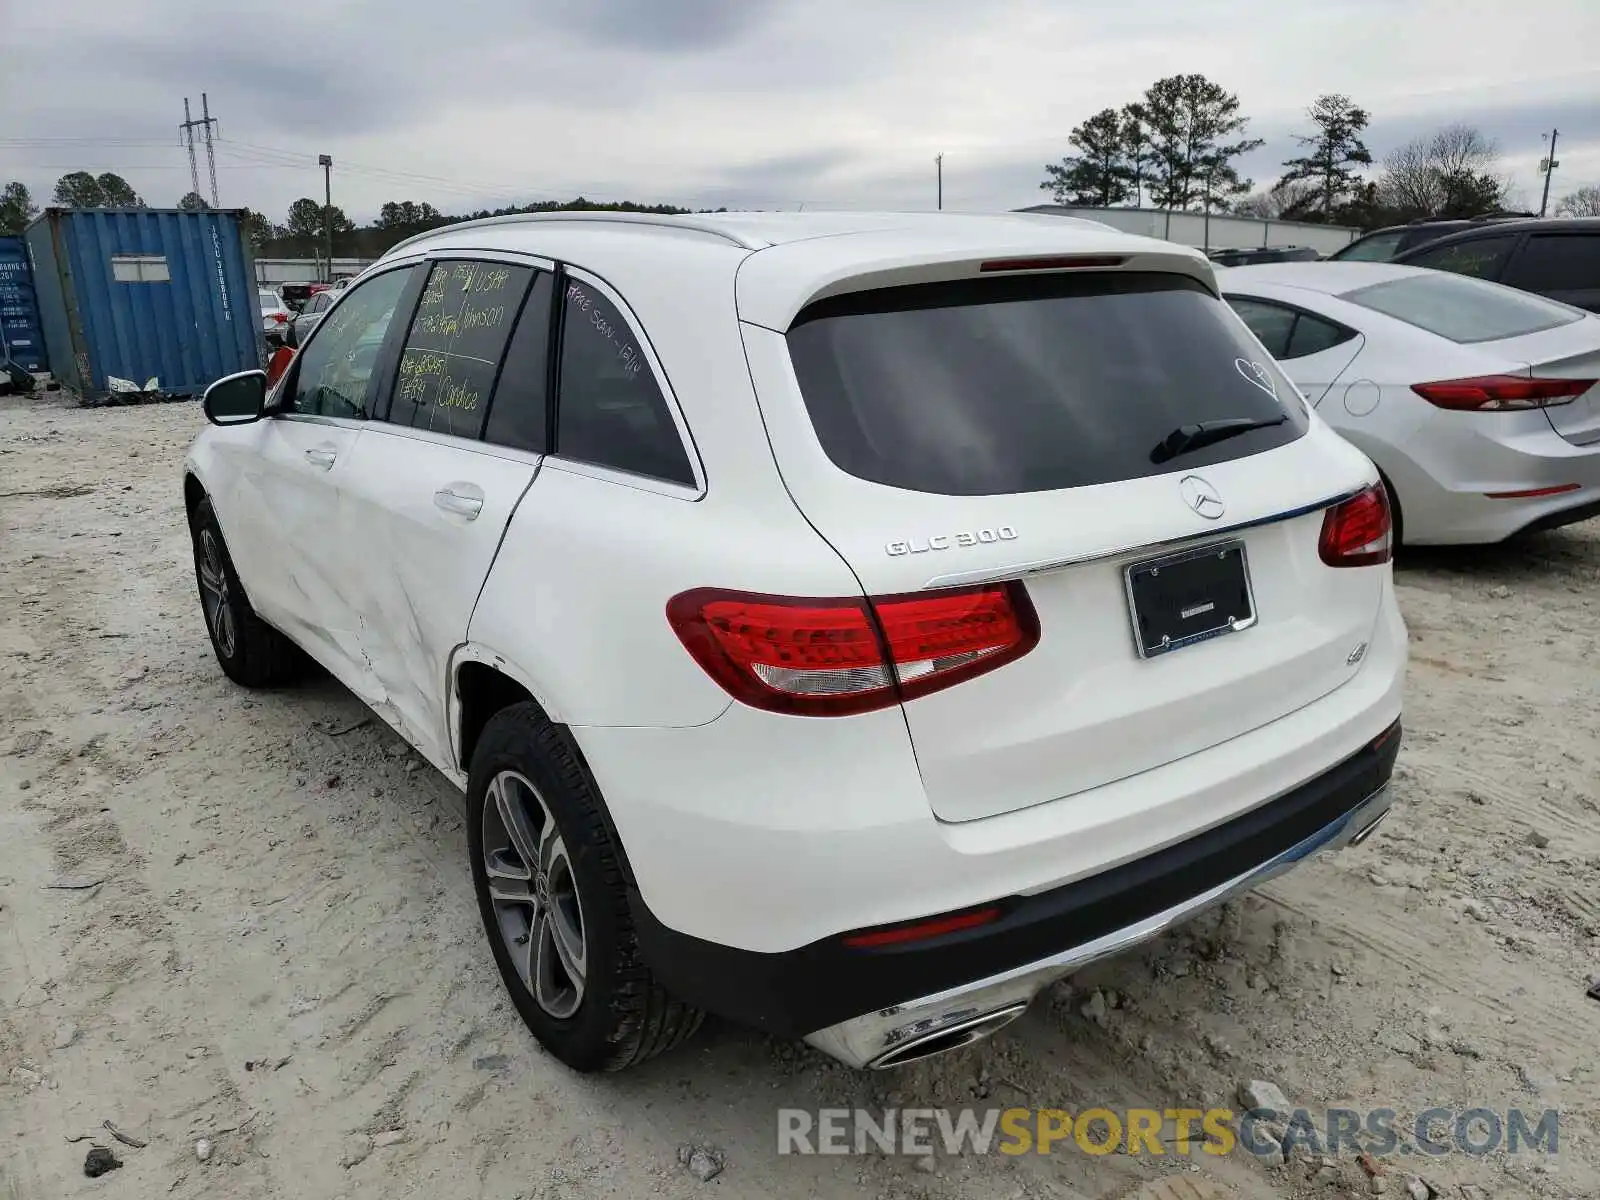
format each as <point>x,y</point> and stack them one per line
<point>464,500</point>
<point>322,456</point>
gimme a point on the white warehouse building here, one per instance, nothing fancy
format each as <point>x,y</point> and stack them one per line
<point>1219,231</point>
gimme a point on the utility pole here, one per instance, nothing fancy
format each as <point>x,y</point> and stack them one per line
<point>211,154</point>
<point>1549,165</point>
<point>326,163</point>
<point>187,129</point>
<point>938,166</point>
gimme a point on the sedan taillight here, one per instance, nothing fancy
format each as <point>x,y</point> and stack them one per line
<point>1501,393</point>
<point>825,656</point>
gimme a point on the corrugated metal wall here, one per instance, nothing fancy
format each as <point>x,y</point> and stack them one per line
<point>21,334</point>
<point>138,294</point>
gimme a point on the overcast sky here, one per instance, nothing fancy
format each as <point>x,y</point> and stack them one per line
<point>744,103</point>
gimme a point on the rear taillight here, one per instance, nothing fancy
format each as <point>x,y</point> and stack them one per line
<point>831,657</point>
<point>280,318</point>
<point>1357,533</point>
<point>1501,393</point>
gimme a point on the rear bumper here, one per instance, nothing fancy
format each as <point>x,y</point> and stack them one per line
<point>1458,474</point>
<point>860,1004</point>
<point>768,833</point>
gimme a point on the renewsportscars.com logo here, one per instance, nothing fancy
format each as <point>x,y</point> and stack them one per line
<point>1380,1132</point>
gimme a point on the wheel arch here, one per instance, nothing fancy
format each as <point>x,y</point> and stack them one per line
<point>482,683</point>
<point>193,491</point>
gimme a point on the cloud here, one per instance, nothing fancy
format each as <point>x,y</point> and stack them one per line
<point>670,26</point>
<point>833,103</point>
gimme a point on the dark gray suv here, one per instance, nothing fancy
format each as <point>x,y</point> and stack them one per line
<point>1558,258</point>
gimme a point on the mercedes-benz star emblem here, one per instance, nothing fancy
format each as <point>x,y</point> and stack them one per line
<point>1202,497</point>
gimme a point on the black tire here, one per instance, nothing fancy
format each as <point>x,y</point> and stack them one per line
<point>623,1016</point>
<point>250,651</point>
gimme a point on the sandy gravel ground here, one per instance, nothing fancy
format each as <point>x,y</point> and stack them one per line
<point>248,919</point>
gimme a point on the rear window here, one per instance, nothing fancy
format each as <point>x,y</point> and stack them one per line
<point>1462,309</point>
<point>991,387</point>
<point>268,300</point>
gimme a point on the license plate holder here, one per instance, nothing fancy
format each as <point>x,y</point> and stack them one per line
<point>1192,596</point>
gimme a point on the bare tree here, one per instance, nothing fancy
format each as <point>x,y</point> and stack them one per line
<point>1585,202</point>
<point>1451,173</point>
<point>1281,200</point>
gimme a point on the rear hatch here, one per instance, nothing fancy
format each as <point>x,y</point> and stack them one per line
<point>951,434</point>
<point>1536,337</point>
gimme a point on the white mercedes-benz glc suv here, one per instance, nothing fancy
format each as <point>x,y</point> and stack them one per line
<point>843,623</point>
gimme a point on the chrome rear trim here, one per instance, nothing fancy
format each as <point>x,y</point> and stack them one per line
<point>886,1036</point>
<point>1198,538</point>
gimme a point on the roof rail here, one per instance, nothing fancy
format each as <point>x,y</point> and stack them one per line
<point>692,221</point>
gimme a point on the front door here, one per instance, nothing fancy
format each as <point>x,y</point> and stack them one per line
<point>284,527</point>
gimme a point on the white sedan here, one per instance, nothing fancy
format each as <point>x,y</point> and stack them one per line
<point>1477,402</point>
<point>275,315</point>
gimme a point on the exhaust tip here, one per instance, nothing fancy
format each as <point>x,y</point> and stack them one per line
<point>951,1037</point>
<point>1367,831</point>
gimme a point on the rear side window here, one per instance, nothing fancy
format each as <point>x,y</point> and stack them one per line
<point>452,350</point>
<point>1481,258</point>
<point>996,386</point>
<point>1380,247</point>
<point>1461,309</point>
<point>610,411</point>
<point>518,416</point>
<point>1288,333</point>
<point>1558,262</point>
<point>1271,323</point>
<point>1313,335</point>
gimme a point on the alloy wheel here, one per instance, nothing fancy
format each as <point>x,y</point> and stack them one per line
<point>214,594</point>
<point>534,893</point>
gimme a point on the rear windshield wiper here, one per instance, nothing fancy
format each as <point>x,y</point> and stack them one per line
<point>1206,433</point>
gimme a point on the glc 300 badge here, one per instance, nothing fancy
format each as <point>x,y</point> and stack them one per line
<point>953,541</point>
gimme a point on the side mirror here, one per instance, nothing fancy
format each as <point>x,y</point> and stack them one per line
<point>291,335</point>
<point>236,399</point>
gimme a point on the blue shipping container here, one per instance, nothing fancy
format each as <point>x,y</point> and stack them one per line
<point>21,338</point>
<point>145,293</point>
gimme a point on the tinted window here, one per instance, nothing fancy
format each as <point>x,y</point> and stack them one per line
<point>453,347</point>
<point>1558,262</point>
<point>1478,257</point>
<point>267,300</point>
<point>610,411</point>
<point>998,386</point>
<point>335,367</point>
<point>1312,335</point>
<point>1271,323</point>
<point>1380,247</point>
<point>518,414</point>
<point>1461,309</point>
